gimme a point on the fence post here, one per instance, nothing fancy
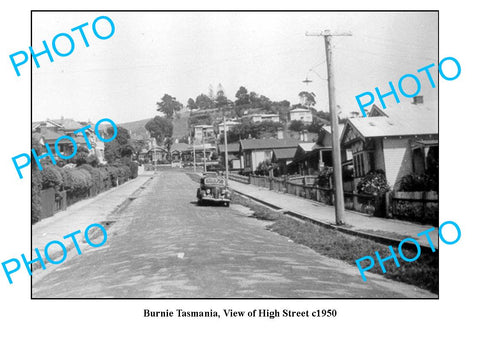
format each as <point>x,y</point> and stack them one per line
<point>388,204</point>
<point>424,206</point>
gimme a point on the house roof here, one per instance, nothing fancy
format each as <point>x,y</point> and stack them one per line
<point>203,126</point>
<point>68,124</point>
<point>306,146</point>
<point>231,147</point>
<point>181,147</point>
<point>284,153</point>
<point>403,120</point>
<point>267,143</point>
<point>49,135</point>
<point>299,109</point>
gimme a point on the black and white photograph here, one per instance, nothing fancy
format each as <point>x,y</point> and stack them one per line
<point>242,170</point>
<point>204,145</point>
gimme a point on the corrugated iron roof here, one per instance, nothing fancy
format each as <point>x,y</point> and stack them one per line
<point>182,147</point>
<point>401,120</point>
<point>306,146</point>
<point>231,147</point>
<point>284,153</point>
<point>68,124</point>
<point>267,143</point>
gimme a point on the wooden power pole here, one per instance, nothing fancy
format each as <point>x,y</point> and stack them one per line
<point>337,160</point>
<point>226,149</point>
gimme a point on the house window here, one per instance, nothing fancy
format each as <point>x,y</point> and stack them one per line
<point>247,159</point>
<point>358,165</point>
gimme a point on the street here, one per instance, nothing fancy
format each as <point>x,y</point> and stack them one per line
<point>165,246</point>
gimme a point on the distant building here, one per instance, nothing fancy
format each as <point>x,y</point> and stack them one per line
<point>203,132</point>
<point>260,115</point>
<point>301,114</point>
<point>255,151</point>
<point>233,150</point>
<point>229,124</point>
<point>282,158</point>
<point>48,131</point>
<point>179,152</point>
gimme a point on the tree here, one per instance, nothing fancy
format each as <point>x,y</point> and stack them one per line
<point>191,105</point>
<point>297,125</point>
<point>210,92</point>
<point>254,130</point>
<point>307,98</point>
<point>120,147</point>
<point>159,128</point>
<point>204,102</point>
<point>242,97</point>
<point>169,105</point>
<point>168,144</point>
<point>281,108</point>
<point>81,156</point>
<point>221,101</point>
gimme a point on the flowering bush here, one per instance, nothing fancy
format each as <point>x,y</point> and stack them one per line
<point>374,183</point>
<point>264,167</point>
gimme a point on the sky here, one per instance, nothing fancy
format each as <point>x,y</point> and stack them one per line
<point>183,53</point>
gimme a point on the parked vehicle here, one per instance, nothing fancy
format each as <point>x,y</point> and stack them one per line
<point>213,189</point>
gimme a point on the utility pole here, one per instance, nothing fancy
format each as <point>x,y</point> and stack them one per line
<point>194,158</point>
<point>337,161</point>
<point>226,149</point>
<point>154,143</point>
<point>204,156</point>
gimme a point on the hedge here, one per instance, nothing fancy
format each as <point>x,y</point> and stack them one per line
<point>80,182</point>
<point>36,201</point>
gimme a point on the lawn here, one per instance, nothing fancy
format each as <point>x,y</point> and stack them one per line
<point>422,273</point>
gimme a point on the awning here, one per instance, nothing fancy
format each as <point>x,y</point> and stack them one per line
<point>424,143</point>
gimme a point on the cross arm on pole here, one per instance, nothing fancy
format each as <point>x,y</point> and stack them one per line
<point>328,33</point>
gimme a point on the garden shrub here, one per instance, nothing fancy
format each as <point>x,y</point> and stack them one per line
<point>374,183</point>
<point>95,174</point>
<point>80,182</point>
<point>414,182</point>
<point>324,176</point>
<point>51,177</point>
<point>36,199</point>
<point>133,169</point>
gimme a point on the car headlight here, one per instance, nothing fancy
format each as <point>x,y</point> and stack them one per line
<point>223,191</point>
<point>208,191</point>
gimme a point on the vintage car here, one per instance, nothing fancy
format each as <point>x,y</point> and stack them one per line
<point>213,189</point>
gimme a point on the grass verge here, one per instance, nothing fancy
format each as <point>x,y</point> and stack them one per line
<point>422,273</point>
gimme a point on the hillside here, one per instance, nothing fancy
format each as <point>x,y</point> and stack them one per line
<point>136,128</point>
<point>180,125</point>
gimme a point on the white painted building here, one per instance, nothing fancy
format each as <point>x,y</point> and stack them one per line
<point>304,115</point>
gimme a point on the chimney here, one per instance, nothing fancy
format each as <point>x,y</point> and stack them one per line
<point>417,100</point>
<point>280,133</point>
<point>300,133</point>
<point>305,135</point>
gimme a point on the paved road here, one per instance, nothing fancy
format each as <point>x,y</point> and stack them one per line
<point>166,246</point>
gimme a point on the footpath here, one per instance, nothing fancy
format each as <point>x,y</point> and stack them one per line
<point>388,231</point>
<point>98,209</point>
